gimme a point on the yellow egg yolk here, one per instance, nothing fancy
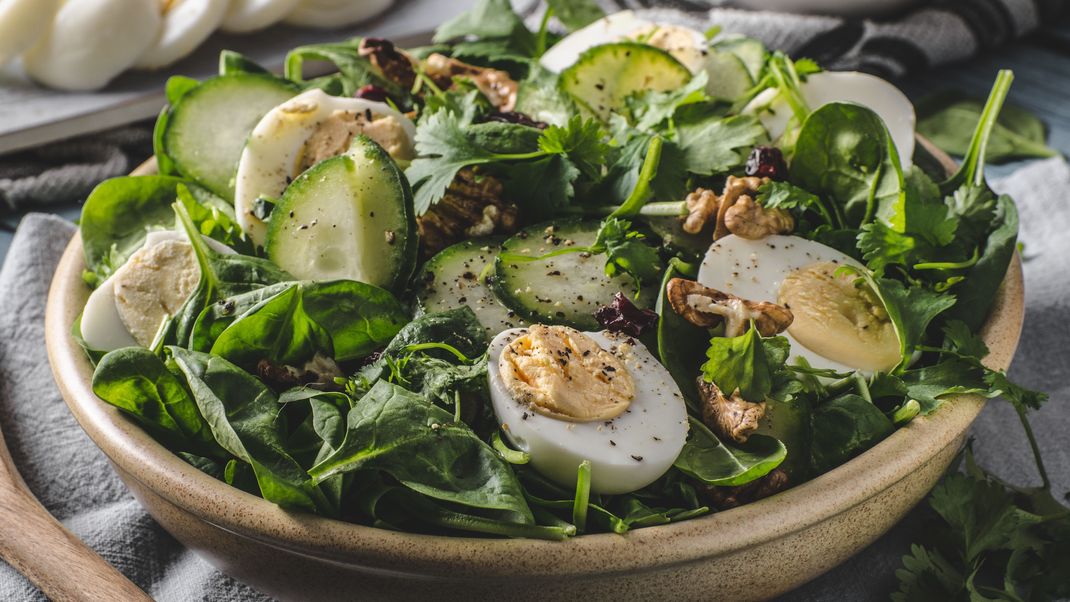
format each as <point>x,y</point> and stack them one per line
<point>562,373</point>
<point>838,320</point>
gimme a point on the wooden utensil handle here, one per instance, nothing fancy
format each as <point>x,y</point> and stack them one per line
<point>49,555</point>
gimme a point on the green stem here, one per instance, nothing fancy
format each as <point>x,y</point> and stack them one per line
<point>906,412</point>
<point>443,346</point>
<point>660,209</point>
<point>635,201</point>
<point>1045,481</point>
<point>540,38</point>
<point>973,164</point>
<point>200,248</point>
<point>950,265</point>
<point>583,496</point>
<point>509,454</point>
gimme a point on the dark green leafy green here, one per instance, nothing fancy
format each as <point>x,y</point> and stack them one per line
<point>245,419</point>
<point>398,432</point>
<point>354,70</point>
<point>137,382</point>
<point>681,344</point>
<point>278,330</point>
<point>743,363</point>
<point>576,14</point>
<point>718,145</point>
<point>844,427</point>
<point>706,458</point>
<point>490,21</point>
<point>845,155</point>
<point>947,119</point>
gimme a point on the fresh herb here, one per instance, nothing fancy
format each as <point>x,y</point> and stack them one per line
<point>494,25</point>
<point>747,363</point>
<point>576,14</point>
<point>947,117</point>
<point>707,459</point>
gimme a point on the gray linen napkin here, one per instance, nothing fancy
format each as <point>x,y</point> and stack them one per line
<point>73,480</point>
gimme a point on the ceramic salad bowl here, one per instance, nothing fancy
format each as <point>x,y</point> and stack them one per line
<point>753,552</point>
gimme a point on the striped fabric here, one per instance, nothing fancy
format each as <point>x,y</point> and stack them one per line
<point>931,34</point>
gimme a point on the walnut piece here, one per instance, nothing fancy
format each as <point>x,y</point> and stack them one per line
<point>472,207</point>
<point>499,88</point>
<point>317,373</point>
<point>707,307</point>
<point>395,65</point>
<point>747,219</point>
<point>732,418</point>
<point>723,498</point>
<point>735,211</point>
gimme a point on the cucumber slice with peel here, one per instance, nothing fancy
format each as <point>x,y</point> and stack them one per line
<point>567,288</point>
<point>206,130</point>
<point>606,75</point>
<point>348,217</point>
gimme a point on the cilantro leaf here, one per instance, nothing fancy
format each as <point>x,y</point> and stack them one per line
<point>929,384</point>
<point>718,145</point>
<point>626,252</point>
<point>542,187</point>
<point>980,513</point>
<point>882,246</point>
<point>743,363</point>
<point>580,139</point>
<point>960,340</point>
<point>927,576</point>
<point>650,108</point>
<point>785,195</point>
<point>1021,397</point>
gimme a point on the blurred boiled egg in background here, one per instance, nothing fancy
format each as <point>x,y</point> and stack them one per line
<point>251,15</point>
<point>838,325</point>
<point>22,22</point>
<point>186,24</point>
<point>328,14</point>
<point>565,396</point>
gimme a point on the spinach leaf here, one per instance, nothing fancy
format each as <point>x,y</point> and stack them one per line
<point>844,427</point>
<point>977,291</point>
<point>458,327</point>
<point>221,276</point>
<point>359,317</point>
<point>947,118</point>
<point>278,330</point>
<point>419,444</point>
<point>681,344</point>
<point>490,20</point>
<point>208,466</point>
<point>137,382</point>
<point>576,14</point>
<point>844,154</point>
<point>218,316</point>
<point>707,459</point>
<point>246,420</point>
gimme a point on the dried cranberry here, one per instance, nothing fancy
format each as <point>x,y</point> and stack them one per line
<point>372,92</point>
<point>623,316</point>
<point>514,117</point>
<point>371,358</point>
<point>767,162</point>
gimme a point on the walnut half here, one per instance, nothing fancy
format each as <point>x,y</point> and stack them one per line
<point>732,418</point>
<point>499,88</point>
<point>472,207</point>
<point>735,211</point>
<point>707,307</point>
<point>723,498</point>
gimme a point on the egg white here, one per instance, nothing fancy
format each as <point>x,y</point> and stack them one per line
<point>92,41</point>
<point>820,89</point>
<point>251,15</point>
<point>270,158</point>
<point>653,428</point>
<point>22,22</point>
<point>755,269</point>
<point>101,326</point>
<point>616,28</point>
<point>330,14</point>
<point>186,24</point>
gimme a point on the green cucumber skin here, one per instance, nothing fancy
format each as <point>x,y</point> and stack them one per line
<point>182,124</point>
<point>599,80</point>
<point>287,215</point>
<point>583,280</point>
<point>463,274</point>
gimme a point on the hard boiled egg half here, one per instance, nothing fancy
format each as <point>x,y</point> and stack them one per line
<point>565,396</point>
<point>820,89</point>
<point>839,324</point>
<point>302,131</point>
<point>131,305</point>
<point>685,44</point>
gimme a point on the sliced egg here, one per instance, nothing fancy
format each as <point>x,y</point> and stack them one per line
<point>330,14</point>
<point>565,396</point>
<point>92,41</point>
<point>837,325</point>
<point>310,126</point>
<point>250,15</point>
<point>819,89</point>
<point>22,22</point>
<point>186,23</point>
<point>128,308</point>
<point>685,44</point>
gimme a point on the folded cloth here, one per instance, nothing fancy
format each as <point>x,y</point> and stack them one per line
<point>74,481</point>
<point>933,33</point>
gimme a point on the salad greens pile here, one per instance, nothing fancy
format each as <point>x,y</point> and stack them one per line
<point>368,403</point>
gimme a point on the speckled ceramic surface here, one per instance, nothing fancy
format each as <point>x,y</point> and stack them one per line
<point>752,552</point>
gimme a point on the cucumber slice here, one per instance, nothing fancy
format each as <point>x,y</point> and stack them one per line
<point>564,289</point>
<point>348,217</point>
<point>750,52</point>
<point>206,131</point>
<point>728,76</point>
<point>606,75</point>
<point>460,275</point>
